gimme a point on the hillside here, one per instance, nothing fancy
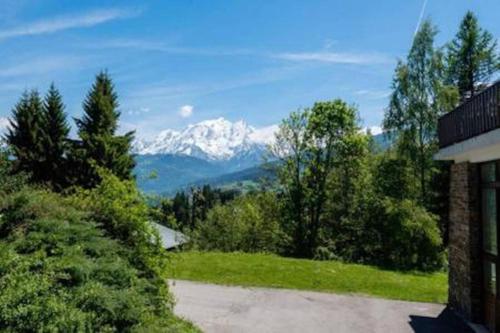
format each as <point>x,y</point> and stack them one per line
<point>166,173</point>
<point>244,180</point>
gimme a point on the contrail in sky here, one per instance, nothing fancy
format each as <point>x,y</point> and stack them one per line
<point>420,17</point>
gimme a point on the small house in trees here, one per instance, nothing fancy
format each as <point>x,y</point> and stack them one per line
<point>469,136</point>
<point>170,239</point>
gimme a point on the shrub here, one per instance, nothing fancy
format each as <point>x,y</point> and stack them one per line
<point>248,224</point>
<point>121,210</point>
<point>390,232</point>
<point>9,181</point>
<point>60,272</point>
<point>408,235</point>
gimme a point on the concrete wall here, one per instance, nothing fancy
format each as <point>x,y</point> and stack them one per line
<point>464,242</point>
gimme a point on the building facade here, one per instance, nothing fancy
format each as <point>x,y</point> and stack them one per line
<point>469,136</point>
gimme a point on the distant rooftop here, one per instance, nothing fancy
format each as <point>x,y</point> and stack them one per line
<point>169,237</point>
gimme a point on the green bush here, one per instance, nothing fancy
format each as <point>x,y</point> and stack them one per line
<point>9,181</point>
<point>408,235</point>
<point>61,272</point>
<point>121,210</point>
<point>249,224</point>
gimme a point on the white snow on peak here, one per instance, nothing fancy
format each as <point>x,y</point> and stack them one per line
<point>215,139</point>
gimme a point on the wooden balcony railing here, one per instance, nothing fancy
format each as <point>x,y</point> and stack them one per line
<point>478,115</point>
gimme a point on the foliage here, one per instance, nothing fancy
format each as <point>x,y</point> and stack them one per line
<point>120,209</point>
<point>11,180</point>
<point>311,146</point>
<point>472,56</point>
<point>38,138</point>
<point>188,209</point>
<point>99,145</point>
<point>339,200</point>
<point>249,223</point>
<point>406,236</point>
<point>290,149</point>
<point>419,97</point>
<point>55,140</point>
<point>265,270</point>
<point>25,135</point>
<point>393,177</point>
<point>382,221</point>
<point>59,273</point>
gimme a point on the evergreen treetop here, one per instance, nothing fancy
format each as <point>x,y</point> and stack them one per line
<point>472,56</point>
<point>99,145</point>
<point>55,139</point>
<point>25,132</point>
<point>100,108</point>
<point>56,126</point>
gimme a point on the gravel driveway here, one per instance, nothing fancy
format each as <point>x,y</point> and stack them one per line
<point>221,309</point>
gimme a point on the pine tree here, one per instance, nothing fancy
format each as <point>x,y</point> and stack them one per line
<point>472,56</point>
<point>55,139</point>
<point>99,145</point>
<point>25,134</point>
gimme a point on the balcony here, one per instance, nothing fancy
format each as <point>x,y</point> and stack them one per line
<point>478,115</point>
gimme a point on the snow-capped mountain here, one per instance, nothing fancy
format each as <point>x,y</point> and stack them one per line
<point>217,140</point>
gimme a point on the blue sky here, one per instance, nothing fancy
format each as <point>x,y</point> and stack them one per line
<point>181,61</point>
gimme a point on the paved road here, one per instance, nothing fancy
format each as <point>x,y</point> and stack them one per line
<point>223,309</point>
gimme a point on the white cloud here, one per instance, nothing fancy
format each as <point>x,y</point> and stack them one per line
<point>336,58</point>
<point>324,56</point>
<point>41,66</point>
<point>158,46</point>
<point>55,24</point>
<point>373,94</point>
<point>136,112</point>
<point>162,91</point>
<point>186,111</point>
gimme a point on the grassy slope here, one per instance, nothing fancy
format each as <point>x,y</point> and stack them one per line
<point>264,270</point>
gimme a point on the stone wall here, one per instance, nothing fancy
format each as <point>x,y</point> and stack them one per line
<point>464,242</point>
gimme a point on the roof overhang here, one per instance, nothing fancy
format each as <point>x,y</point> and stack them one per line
<point>482,148</point>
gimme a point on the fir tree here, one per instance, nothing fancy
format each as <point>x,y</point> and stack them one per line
<point>55,139</point>
<point>99,145</point>
<point>25,134</point>
<point>472,56</point>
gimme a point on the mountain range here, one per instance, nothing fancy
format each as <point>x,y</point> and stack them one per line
<point>217,152</point>
<point>211,151</point>
<point>212,140</point>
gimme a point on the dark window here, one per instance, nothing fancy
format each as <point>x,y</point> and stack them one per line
<point>490,201</point>
<point>489,214</point>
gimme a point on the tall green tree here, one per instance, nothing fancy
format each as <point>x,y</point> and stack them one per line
<point>332,137</point>
<point>419,97</point>
<point>55,138</point>
<point>290,148</point>
<point>472,56</point>
<point>312,145</point>
<point>25,133</point>
<point>100,145</point>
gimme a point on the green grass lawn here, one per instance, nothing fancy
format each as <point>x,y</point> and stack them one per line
<point>264,270</point>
